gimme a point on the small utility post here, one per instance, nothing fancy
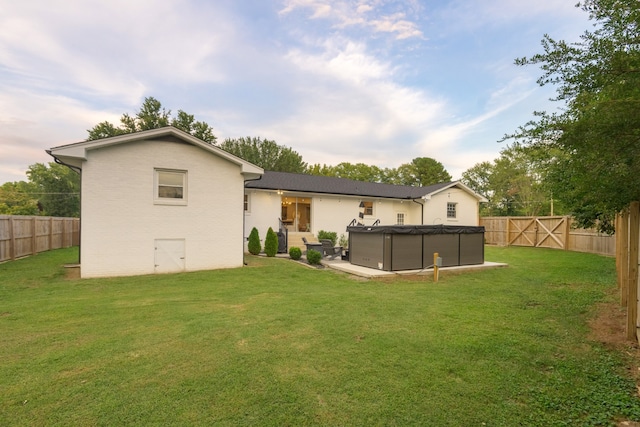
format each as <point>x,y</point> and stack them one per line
<point>435,266</point>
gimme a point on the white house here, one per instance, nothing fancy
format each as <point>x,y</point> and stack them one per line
<point>306,204</point>
<point>158,201</point>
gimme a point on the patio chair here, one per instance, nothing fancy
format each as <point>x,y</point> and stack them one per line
<point>329,250</point>
<point>312,245</point>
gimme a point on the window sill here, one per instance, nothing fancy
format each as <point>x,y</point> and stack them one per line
<point>170,202</point>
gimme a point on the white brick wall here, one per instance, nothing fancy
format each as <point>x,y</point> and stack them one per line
<point>264,211</point>
<point>120,221</point>
<point>333,213</point>
<point>466,210</point>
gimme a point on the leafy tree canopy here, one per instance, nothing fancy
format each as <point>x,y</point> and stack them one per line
<point>422,171</point>
<point>266,154</point>
<point>514,184</point>
<point>596,137</point>
<point>56,188</point>
<point>152,115</point>
<point>358,171</point>
<point>18,198</point>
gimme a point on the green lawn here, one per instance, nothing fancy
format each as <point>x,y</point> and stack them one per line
<point>276,343</point>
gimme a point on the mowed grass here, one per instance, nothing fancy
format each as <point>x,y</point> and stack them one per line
<point>276,343</point>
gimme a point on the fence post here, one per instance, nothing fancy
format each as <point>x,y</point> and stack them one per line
<point>34,239</point>
<point>50,233</point>
<point>12,239</point>
<point>566,234</point>
<point>622,255</point>
<point>508,227</point>
<point>632,302</point>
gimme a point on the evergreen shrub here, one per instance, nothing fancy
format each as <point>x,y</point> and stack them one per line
<point>313,257</point>
<point>271,243</point>
<point>331,235</point>
<point>254,242</point>
<point>295,253</point>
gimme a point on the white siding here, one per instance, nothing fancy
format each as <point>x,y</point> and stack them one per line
<point>328,212</point>
<point>264,211</point>
<point>466,209</point>
<point>334,213</point>
<point>120,221</point>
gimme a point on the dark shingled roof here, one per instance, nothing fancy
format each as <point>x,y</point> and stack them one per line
<point>331,185</point>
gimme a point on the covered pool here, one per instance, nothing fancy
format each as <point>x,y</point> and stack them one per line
<point>412,247</point>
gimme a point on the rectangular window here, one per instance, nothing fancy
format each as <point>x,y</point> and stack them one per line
<point>451,210</point>
<point>368,208</point>
<point>246,203</point>
<point>400,218</point>
<point>170,186</point>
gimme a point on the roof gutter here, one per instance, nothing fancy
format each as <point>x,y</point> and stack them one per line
<point>60,162</point>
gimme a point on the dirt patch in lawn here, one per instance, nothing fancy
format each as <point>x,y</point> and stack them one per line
<point>608,326</point>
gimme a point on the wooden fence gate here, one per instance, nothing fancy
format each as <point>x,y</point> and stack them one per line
<point>555,232</point>
<point>540,232</point>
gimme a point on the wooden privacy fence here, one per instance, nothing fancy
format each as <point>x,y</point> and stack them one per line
<point>27,235</point>
<point>554,232</point>
<point>627,260</point>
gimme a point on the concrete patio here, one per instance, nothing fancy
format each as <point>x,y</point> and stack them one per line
<point>346,267</point>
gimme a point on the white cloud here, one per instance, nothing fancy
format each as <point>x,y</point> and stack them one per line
<point>353,109</point>
<point>31,123</point>
<point>342,59</point>
<point>366,15</point>
<point>396,23</point>
<point>109,48</point>
<point>327,78</point>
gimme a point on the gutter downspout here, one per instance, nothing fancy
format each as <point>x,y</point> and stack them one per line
<point>422,213</point>
<point>244,215</point>
<point>79,172</point>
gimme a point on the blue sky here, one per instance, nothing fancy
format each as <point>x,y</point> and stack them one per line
<point>371,81</point>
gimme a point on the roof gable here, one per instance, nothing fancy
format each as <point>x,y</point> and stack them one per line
<point>342,186</point>
<point>75,154</point>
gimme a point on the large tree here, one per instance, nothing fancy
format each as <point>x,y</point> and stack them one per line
<point>18,198</point>
<point>153,115</point>
<point>597,135</point>
<point>265,153</point>
<point>357,171</point>
<point>57,189</point>
<point>422,171</point>
<point>513,183</point>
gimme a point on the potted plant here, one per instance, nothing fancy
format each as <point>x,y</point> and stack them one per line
<point>344,242</point>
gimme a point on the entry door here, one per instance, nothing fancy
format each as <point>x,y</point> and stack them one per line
<point>169,255</point>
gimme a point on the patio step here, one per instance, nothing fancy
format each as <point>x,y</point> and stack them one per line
<point>295,239</point>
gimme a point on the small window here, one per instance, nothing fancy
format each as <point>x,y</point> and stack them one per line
<point>246,203</point>
<point>368,208</point>
<point>170,186</point>
<point>451,210</point>
<point>400,218</point>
